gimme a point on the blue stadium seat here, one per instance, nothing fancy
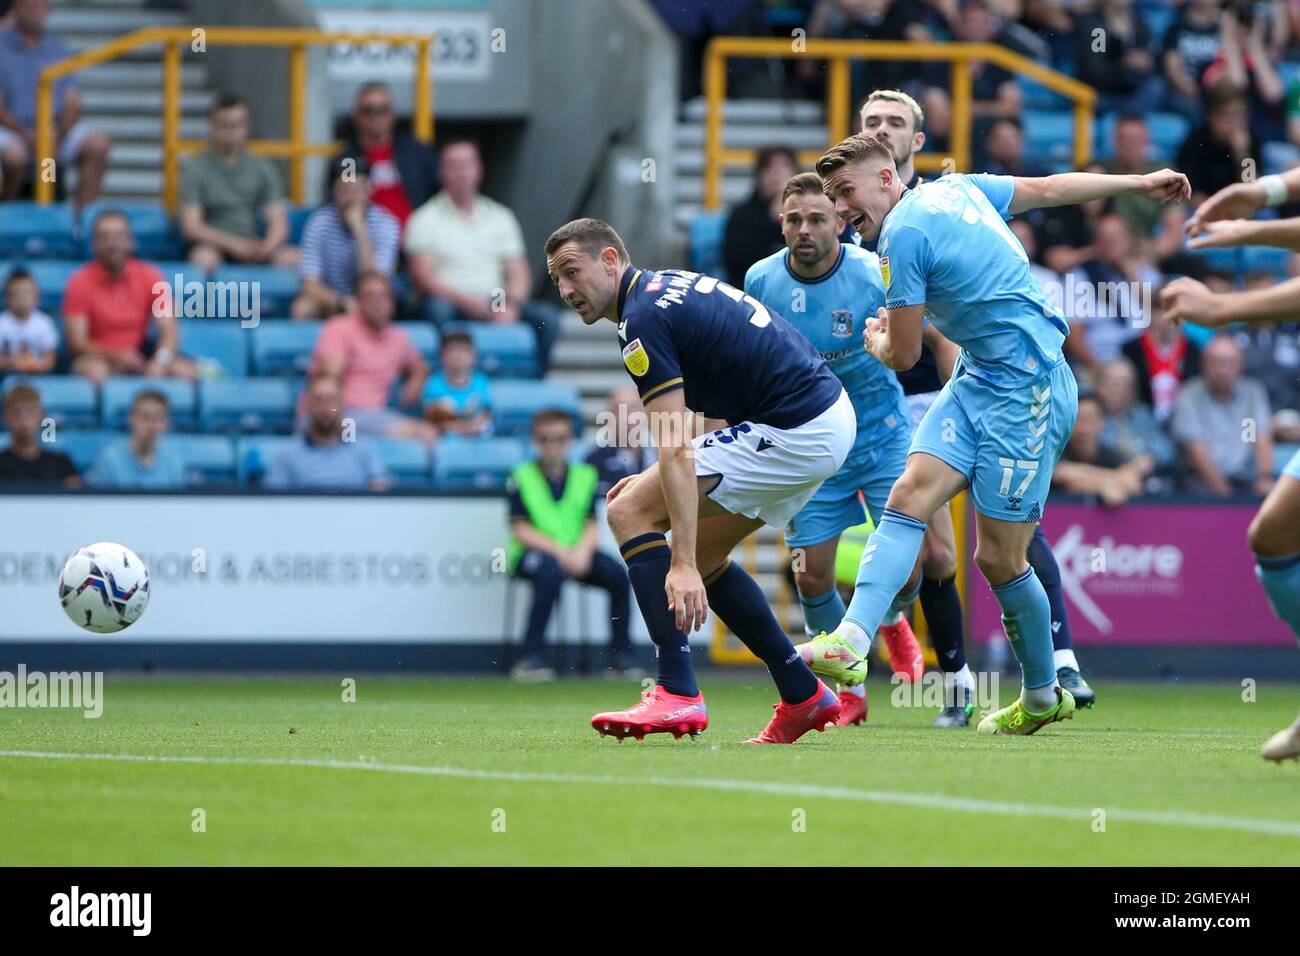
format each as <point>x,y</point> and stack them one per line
<point>1264,259</point>
<point>298,216</point>
<point>406,460</point>
<point>426,339</point>
<point>209,459</point>
<point>247,405</point>
<point>1049,134</point>
<point>187,270</point>
<point>276,287</point>
<point>506,350</point>
<point>71,402</point>
<point>28,230</point>
<point>515,403</point>
<point>82,447</point>
<point>465,464</point>
<point>116,395</point>
<point>156,235</point>
<point>283,346</point>
<point>706,234</point>
<point>221,341</point>
<point>1279,157</point>
<point>1035,96</point>
<point>254,454</point>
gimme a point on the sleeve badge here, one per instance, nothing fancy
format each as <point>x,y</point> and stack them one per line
<point>636,358</point>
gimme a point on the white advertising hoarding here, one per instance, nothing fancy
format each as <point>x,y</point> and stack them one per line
<point>272,568</point>
<point>461,50</point>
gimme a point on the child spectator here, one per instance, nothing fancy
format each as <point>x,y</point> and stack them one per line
<point>26,461</point>
<point>142,460</point>
<point>29,340</point>
<point>457,400</point>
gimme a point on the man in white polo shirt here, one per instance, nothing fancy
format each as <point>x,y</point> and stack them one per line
<point>466,254</point>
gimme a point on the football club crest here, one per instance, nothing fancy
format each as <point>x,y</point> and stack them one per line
<point>841,323</point>
<point>636,358</point>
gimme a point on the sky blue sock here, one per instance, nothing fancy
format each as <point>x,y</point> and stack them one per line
<point>823,612</point>
<point>887,561</point>
<point>1281,579</point>
<point>1027,618</point>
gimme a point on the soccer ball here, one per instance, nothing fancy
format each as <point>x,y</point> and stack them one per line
<point>104,587</point>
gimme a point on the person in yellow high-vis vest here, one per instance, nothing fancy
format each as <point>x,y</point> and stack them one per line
<point>553,524</point>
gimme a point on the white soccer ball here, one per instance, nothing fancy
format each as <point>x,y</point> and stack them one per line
<point>104,587</point>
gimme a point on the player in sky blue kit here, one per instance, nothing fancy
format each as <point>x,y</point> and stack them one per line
<point>1274,534</point>
<point>827,290</point>
<point>1002,420</point>
<point>782,424</point>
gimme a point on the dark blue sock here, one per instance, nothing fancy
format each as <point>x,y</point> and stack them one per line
<point>1043,561</point>
<point>741,605</point>
<point>648,558</point>
<point>941,603</point>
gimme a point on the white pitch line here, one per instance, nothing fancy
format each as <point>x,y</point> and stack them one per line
<point>932,801</point>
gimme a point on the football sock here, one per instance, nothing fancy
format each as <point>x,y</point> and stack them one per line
<point>902,602</point>
<point>648,559</point>
<point>1064,659</point>
<point>887,562</point>
<point>1043,560</point>
<point>1026,617</point>
<point>941,603</point>
<point>962,678</point>
<point>822,612</point>
<point>741,605</point>
<point>1281,580</point>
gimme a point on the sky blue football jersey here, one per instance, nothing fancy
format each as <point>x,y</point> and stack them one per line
<point>831,312</point>
<point>946,245</point>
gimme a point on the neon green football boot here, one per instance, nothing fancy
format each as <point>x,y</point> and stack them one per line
<point>1016,720</point>
<point>834,658</point>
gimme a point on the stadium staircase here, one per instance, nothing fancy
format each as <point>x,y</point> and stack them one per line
<point>124,98</point>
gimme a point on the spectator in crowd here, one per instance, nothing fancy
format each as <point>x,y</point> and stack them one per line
<point>369,355</point>
<point>753,231</point>
<point>1191,45</point>
<point>623,445</point>
<point>458,398</point>
<point>553,523</point>
<point>1004,148</point>
<point>1122,69</point>
<point>1129,427</point>
<point>466,253</point>
<point>994,91</point>
<point>1272,356</point>
<point>1244,65</point>
<point>347,236</point>
<point>1214,155</point>
<point>112,304</point>
<point>1157,227</point>
<point>143,460</point>
<point>1087,467</point>
<point>26,49</point>
<point>1163,359</point>
<point>1110,297</point>
<point>695,22</point>
<point>27,461</point>
<point>1222,419</point>
<point>29,340</point>
<point>223,191</point>
<point>319,458</point>
<point>403,171</point>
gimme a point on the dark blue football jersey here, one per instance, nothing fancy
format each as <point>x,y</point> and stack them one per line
<point>736,359</point>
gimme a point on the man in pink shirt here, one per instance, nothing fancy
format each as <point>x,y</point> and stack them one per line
<point>112,304</point>
<point>367,353</point>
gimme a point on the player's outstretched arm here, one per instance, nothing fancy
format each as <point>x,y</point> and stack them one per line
<point>1243,200</point>
<point>1221,233</point>
<point>1187,300</point>
<point>685,588</point>
<point>1069,189</point>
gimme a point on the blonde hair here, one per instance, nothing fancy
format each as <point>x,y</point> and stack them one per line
<point>895,96</point>
<point>856,149</point>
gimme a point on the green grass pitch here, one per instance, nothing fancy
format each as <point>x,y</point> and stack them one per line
<point>478,771</point>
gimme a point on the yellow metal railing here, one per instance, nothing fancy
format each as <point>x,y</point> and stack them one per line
<point>839,110</point>
<point>174,39</point>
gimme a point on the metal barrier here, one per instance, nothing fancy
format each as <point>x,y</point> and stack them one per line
<point>174,39</point>
<point>838,53</point>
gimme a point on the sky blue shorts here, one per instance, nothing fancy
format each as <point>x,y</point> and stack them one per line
<point>1005,440</point>
<point>1293,467</point>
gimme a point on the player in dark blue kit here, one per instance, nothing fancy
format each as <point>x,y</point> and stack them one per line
<point>698,348</point>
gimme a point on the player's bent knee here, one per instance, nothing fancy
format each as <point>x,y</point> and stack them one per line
<point>998,564</point>
<point>813,582</point>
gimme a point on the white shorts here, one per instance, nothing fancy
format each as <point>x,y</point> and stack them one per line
<point>771,473</point>
<point>68,149</point>
<point>919,404</point>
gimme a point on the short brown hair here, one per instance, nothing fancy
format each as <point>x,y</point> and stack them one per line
<point>801,183</point>
<point>150,395</point>
<point>590,235</point>
<point>549,416</point>
<point>856,149</point>
<point>21,395</point>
